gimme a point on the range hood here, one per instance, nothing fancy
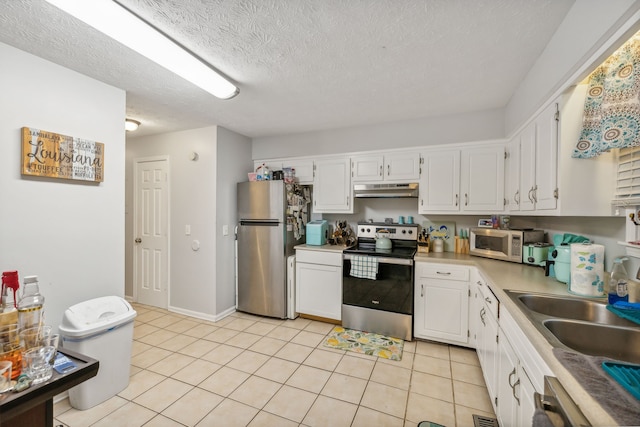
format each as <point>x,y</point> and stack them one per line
<point>386,190</point>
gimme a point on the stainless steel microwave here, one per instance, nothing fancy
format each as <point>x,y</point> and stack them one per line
<point>505,245</point>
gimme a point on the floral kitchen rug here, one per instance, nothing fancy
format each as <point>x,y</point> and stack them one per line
<point>365,343</point>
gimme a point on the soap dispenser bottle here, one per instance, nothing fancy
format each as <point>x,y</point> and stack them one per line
<point>618,290</point>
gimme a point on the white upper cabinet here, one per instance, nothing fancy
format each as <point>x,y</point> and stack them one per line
<point>303,170</point>
<point>332,189</point>
<point>469,180</point>
<point>536,166</point>
<point>402,167</point>
<point>440,182</point>
<point>512,176</point>
<point>482,179</point>
<point>546,194</point>
<point>367,168</point>
<point>396,167</point>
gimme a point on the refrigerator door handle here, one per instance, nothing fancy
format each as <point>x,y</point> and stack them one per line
<point>260,223</point>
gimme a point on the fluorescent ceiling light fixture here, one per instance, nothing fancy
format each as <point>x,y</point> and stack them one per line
<point>131,125</point>
<point>118,23</point>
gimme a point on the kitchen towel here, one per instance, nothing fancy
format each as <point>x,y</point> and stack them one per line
<point>587,270</point>
<point>364,267</point>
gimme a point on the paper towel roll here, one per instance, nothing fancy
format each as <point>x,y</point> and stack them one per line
<point>587,270</point>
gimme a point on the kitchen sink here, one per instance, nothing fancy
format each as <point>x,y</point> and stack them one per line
<point>581,324</point>
<point>597,339</point>
<point>572,308</point>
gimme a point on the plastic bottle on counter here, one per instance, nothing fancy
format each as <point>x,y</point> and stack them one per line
<point>31,304</point>
<point>618,290</point>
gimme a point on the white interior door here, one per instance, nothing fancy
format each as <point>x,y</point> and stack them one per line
<point>151,216</point>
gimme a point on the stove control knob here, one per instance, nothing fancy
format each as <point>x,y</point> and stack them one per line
<point>404,231</point>
<point>410,231</point>
<point>368,230</point>
<point>362,230</point>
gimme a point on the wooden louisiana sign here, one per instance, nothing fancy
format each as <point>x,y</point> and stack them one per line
<point>59,156</point>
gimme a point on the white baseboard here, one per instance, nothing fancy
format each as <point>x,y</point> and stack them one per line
<point>203,316</point>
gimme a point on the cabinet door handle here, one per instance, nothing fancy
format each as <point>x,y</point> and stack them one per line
<point>466,199</point>
<point>388,170</point>
<point>516,197</point>
<point>456,200</point>
<point>375,301</point>
<point>487,299</point>
<point>535,194</point>
<point>513,388</point>
<point>380,170</point>
<point>482,313</point>
<point>511,375</point>
<point>421,291</point>
<point>444,273</point>
<point>529,195</point>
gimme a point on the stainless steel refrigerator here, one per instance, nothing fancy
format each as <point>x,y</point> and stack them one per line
<point>263,245</point>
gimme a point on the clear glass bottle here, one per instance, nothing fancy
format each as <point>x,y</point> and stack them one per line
<point>618,290</point>
<point>31,304</point>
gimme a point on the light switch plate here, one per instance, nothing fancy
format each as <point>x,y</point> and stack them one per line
<point>187,230</point>
<point>225,230</point>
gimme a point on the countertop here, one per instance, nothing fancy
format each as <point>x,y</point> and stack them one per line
<point>323,248</point>
<point>503,275</point>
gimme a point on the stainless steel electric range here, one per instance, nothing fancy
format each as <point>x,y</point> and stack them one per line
<point>381,301</point>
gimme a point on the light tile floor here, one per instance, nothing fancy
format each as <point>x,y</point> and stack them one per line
<point>247,370</point>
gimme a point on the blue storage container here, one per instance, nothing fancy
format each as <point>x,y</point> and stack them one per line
<point>317,232</point>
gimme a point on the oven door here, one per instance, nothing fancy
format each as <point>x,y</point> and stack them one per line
<point>392,290</point>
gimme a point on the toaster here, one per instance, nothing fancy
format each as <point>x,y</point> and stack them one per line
<point>536,253</point>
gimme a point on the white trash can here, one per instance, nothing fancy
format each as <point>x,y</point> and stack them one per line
<point>101,328</point>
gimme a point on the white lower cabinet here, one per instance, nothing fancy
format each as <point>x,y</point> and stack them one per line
<point>521,373</point>
<point>442,303</point>
<point>509,388</point>
<point>487,335</point>
<point>319,283</point>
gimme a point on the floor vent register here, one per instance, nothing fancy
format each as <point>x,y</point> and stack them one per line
<point>480,421</point>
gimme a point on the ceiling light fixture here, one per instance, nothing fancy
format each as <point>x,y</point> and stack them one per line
<point>131,125</point>
<point>117,22</point>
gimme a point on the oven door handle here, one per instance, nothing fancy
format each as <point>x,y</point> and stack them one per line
<point>384,260</point>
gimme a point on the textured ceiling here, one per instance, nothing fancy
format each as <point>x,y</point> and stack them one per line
<point>305,65</point>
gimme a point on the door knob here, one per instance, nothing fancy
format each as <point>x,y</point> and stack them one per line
<point>138,240</point>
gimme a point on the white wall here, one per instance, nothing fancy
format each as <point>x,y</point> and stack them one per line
<point>70,234</point>
<point>234,161</point>
<point>200,197</point>
<point>484,125</point>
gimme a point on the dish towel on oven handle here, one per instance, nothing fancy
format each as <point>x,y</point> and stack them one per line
<point>364,267</point>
